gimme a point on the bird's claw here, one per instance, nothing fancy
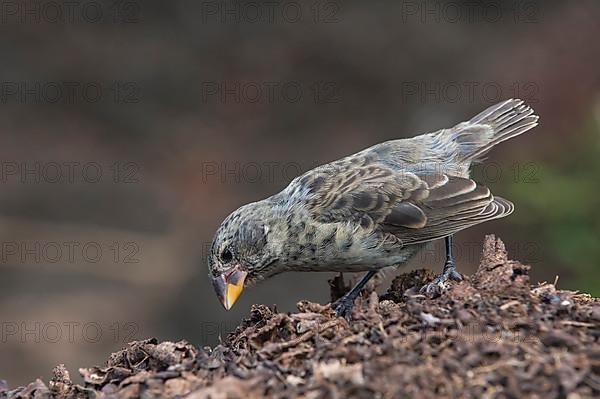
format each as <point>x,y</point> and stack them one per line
<point>435,287</point>
<point>343,308</point>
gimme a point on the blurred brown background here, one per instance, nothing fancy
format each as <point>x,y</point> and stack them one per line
<point>131,129</point>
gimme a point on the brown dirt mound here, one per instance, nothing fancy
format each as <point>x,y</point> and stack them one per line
<point>491,335</point>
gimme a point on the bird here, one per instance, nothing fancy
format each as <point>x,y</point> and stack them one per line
<point>369,211</point>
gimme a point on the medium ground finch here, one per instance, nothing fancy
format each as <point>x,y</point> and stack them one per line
<point>368,211</point>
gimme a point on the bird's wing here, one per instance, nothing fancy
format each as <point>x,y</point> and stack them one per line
<point>415,207</point>
<point>452,204</point>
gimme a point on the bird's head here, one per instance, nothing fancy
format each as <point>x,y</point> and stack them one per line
<point>242,252</point>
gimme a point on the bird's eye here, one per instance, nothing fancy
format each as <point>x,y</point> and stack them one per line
<point>226,255</point>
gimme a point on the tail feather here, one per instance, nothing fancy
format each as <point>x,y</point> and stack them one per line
<point>496,124</point>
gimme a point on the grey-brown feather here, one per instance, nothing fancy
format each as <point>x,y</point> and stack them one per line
<point>378,207</point>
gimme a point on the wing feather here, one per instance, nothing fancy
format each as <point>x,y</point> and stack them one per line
<point>414,207</point>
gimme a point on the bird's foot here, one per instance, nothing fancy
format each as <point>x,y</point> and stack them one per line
<point>438,284</point>
<point>343,307</point>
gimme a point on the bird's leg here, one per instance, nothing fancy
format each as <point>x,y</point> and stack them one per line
<point>449,272</point>
<point>344,305</point>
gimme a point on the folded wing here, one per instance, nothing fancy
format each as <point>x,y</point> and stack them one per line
<point>414,207</point>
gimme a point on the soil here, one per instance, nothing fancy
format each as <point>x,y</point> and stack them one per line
<point>491,335</point>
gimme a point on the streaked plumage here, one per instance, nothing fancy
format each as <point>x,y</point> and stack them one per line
<point>373,209</point>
